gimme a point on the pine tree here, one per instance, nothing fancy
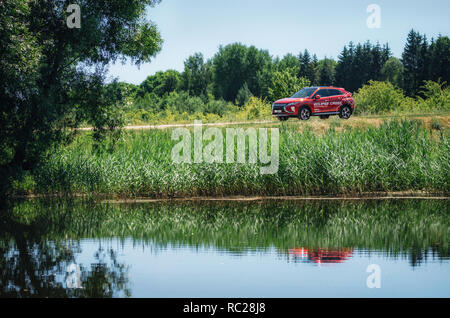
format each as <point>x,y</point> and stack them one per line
<point>424,63</point>
<point>439,55</point>
<point>314,70</point>
<point>343,68</point>
<point>305,60</point>
<point>411,59</point>
<point>376,63</point>
<point>326,72</point>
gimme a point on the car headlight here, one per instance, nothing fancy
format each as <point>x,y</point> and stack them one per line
<point>290,107</point>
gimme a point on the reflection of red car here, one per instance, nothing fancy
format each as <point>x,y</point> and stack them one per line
<point>322,256</point>
<point>322,101</point>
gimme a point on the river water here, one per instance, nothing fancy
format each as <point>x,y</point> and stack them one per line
<point>329,248</point>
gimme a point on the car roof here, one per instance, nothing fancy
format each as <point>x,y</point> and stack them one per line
<point>332,87</point>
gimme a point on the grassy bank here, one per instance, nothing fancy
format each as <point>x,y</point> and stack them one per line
<point>396,156</point>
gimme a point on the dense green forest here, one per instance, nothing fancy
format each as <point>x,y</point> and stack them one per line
<point>226,82</point>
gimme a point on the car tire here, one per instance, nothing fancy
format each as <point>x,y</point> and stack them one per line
<point>282,118</point>
<point>345,112</point>
<point>324,116</point>
<point>304,113</point>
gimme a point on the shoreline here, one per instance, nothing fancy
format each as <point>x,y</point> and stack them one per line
<point>104,198</point>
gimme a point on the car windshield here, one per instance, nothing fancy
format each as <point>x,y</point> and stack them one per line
<point>305,92</point>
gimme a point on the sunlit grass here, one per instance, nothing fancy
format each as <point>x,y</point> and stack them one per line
<point>396,156</point>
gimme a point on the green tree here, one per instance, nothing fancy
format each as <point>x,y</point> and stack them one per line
<point>196,76</point>
<point>256,60</point>
<point>326,71</point>
<point>315,70</point>
<point>308,66</point>
<point>160,84</point>
<point>243,95</point>
<point>236,64</point>
<point>392,71</point>
<point>344,66</point>
<point>285,84</point>
<point>52,76</point>
<point>411,59</point>
<point>289,61</point>
<point>361,63</point>
<point>440,59</point>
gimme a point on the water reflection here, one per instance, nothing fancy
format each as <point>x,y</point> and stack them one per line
<point>49,269</point>
<point>321,255</point>
<point>40,245</point>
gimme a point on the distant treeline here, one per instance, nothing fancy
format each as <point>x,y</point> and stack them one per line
<point>237,72</point>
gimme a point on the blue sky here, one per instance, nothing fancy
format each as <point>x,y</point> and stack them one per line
<point>283,26</point>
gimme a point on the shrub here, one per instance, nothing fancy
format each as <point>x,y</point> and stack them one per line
<point>436,96</point>
<point>255,108</point>
<point>217,107</point>
<point>149,102</point>
<point>436,124</point>
<point>243,95</point>
<point>378,97</point>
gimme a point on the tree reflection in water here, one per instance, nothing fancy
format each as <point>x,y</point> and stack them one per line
<point>40,240</point>
<point>31,266</point>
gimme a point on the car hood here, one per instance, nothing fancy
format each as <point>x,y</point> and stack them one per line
<point>289,100</point>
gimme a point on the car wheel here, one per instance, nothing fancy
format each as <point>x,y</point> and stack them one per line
<point>304,113</point>
<point>324,116</point>
<point>283,118</point>
<point>345,112</point>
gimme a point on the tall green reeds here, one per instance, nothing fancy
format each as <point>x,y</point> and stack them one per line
<point>397,156</point>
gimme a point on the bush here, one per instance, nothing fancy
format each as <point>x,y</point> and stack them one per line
<point>378,97</point>
<point>255,108</point>
<point>436,96</point>
<point>178,106</point>
<point>182,102</point>
<point>243,95</point>
<point>149,102</point>
<point>218,107</point>
<point>384,97</point>
<point>436,124</point>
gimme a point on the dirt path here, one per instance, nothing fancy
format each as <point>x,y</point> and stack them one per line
<point>165,126</point>
<point>315,123</point>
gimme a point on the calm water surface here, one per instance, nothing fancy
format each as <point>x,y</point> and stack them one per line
<point>223,249</point>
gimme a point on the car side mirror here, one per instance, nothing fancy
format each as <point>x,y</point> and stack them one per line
<point>317,96</point>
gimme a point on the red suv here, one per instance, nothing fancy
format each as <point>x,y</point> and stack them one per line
<point>320,101</point>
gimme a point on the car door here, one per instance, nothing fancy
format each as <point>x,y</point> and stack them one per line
<point>321,105</point>
<point>335,97</point>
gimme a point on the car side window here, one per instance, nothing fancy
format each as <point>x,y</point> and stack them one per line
<point>322,93</point>
<point>334,92</point>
